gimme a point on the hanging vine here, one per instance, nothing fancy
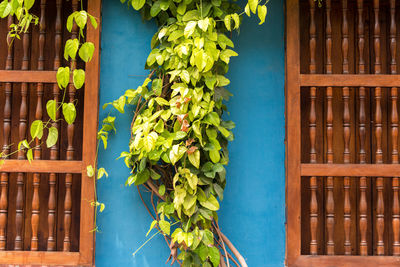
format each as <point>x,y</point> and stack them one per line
<point>178,148</point>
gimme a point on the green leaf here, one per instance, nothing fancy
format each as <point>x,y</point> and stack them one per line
<point>161,101</point>
<point>153,223</point>
<point>154,175</point>
<point>37,129</point>
<point>214,155</point>
<point>253,5</point>
<point>164,4</point>
<point>155,8</point>
<point>208,238</point>
<point>78,78</point>
<point>203,24</point>
<point>226,54</point>
<point>224,41</point>
<point>5,8</point>
<point>90,171</point>
<point>138,4</point>
<point>101,172</point>
<point>119,104</point>
<point>194,158</point>
<point>71,48</point>
<point>52,137</point>
<point>191,15</point>
<point>69,112</point>
<point>227,21</point>
<point>63,77</point>
<point>29,155</point>
<point>161,190</point>
<point>23,143</point>
<point>159,128</point>
<point>214,255</point>
<point>51,107</point>
<point>181,8</point>
<point>142,177</point>
<point>236,19</point>
<point>70,22</point>
<point>176,153</point>
<point>28,4</point>
<point>179,135</point>
<point>189,29</point>
<point>213,118</point>
<point>247,10</point>
<point>175,35</point>
<point>211,203</point>
<point>262,13</point>
<point>165,227</point>
<point>81,19</point>
<point>86,51</point>
<point>156,86</point>
<point>93,21</point>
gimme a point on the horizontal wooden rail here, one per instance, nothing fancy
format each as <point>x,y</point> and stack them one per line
<point>40,258</point>
<point>347,261</point>
<point>42,166</point>
<point>19,76</point>
<point>355,170</point>
<point>367,80</point>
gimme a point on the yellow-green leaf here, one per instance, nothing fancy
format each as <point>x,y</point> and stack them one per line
<point>52,137</point>
<point>262,13</point>
<point>90,171</point>
<point>253,5</point>
<point>194,158</point>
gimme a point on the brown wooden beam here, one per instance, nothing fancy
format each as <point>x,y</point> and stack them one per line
<point>356,80</point>
<point>42,166</point>
<point>19,76</point>
<point>40,258</point>
<point>355,170</point>
<point>347,261</point>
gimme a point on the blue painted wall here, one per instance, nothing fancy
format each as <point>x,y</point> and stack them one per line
<point>252,213</point>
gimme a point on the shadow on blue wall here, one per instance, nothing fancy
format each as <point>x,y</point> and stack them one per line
<point>252,213</point>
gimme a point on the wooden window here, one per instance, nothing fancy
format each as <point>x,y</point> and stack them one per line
<point>45,212</point>
<point>343,167</point>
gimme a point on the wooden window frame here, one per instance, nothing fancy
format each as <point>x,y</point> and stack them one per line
<point>85,256</point>
<point>295,169</point>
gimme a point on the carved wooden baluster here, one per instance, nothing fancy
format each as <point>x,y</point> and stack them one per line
<point>346,130</point>
<point>70,151</point>
<point>6,147</point>
<point>51,241</point>
<point>363,206</point>
<point>380,206</point>
<point>395,181</point>
<point>312,126</point>
<point>19,214</point>
<point>395,133</point>
<point>38,116</point>
<point>330,203</point>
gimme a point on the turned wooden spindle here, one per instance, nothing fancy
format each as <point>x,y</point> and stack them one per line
<point>6,147</point>
<point>70,151</point>
<point>380,205</point>
<point>312,129</point>
<point>52,204</point>
<point>395,182</point>
<point>23,117</point>
<point>346,130</point>
<point>363,206</point>
<point>329,203</point>
<point>394,118</point>
<point>38,116</point>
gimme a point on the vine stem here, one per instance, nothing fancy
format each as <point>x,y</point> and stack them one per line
<point>231,246</point>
